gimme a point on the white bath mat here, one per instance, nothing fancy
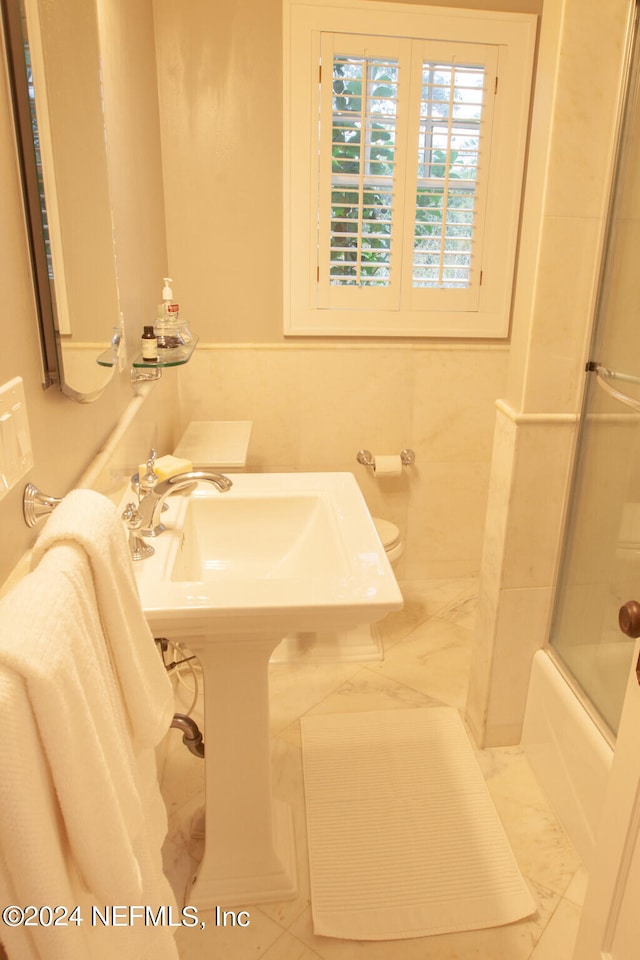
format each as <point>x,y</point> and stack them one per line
<point>404,839</point>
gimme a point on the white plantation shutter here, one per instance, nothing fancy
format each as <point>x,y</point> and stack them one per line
<point>451,112</point>
<point>364,113</point>
<point>448,175</point>
<point>403,198</point>
<point>360,214</point>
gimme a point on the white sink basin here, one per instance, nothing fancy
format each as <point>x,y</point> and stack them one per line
<point>277,552</point>
<point>232,573</point>
<point>288,536</point>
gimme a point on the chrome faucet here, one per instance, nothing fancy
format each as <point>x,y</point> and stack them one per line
<point>152,502</point>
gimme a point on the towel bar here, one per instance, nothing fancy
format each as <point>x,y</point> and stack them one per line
<point>36,505</point>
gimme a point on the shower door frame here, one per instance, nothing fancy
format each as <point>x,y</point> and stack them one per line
<point>610,925</point>
<point>595,377</point>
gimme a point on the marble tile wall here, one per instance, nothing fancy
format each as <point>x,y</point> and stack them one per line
<point>567,193</point>
<point>314,407</point>
<point>527,498</point>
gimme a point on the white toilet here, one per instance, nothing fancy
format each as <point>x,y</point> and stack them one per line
<point>216,444</point>
<point>390,538</point>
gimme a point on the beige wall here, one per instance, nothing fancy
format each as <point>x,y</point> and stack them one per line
<point>219,78</point>
<point>65,434</point>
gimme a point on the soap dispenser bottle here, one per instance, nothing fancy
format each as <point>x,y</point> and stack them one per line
<point>167,325</point>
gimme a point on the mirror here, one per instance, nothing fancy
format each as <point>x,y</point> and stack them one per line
<point>53,53</point>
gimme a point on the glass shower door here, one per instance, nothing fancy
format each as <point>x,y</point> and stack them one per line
<point>600,566</point>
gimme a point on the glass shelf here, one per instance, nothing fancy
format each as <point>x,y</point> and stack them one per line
<point>107,358</point>
<point>166,358</point>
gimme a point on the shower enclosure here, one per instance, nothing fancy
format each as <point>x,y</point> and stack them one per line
<point>600,567</point>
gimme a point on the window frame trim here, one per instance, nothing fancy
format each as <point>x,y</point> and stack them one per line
<point>514,35</point>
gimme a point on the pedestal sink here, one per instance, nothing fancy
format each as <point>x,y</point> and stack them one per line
<point>232,574</point>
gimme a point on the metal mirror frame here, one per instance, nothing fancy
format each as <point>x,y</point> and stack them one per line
<point>35,207</point>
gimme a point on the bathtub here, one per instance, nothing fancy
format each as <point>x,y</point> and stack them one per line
<point>567,750</point>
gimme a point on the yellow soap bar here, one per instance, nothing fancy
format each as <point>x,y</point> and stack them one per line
<point>167,466</point>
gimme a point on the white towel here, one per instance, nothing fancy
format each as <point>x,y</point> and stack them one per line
<point>90,520</point>
<point>81,819</point>
<point>33,864</point>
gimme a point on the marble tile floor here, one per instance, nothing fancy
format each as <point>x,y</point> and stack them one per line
<point>427,655</point>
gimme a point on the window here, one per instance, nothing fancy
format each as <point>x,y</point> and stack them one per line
<point>404,151</point>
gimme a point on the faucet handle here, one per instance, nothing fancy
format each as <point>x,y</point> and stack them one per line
<point>137,547</point>
<point>131,516</point>
<point>150,478</point>
<point>151,460</point>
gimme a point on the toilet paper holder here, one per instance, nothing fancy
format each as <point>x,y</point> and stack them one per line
<point>367,459</point>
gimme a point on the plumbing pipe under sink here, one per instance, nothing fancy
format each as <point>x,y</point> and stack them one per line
<point>192,737</point>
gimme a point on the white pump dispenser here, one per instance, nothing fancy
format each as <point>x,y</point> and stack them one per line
<point>170,330</point>
<point>167,325</point>
<point>168,310</point>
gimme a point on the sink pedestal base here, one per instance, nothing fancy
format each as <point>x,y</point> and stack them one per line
<point>249,854</point>
<point>208,889</point>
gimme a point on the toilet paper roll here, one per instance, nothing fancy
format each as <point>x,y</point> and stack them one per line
<point>387,466</point>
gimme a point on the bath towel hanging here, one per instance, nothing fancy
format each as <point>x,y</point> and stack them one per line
<point>81,817</point>
<point>91,521</point>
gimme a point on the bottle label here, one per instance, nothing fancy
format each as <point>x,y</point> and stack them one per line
<point>149,349</point>
<point>168,312</point>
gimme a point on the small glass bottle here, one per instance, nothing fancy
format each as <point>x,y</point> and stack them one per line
<point>149,345</point>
